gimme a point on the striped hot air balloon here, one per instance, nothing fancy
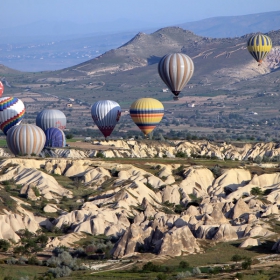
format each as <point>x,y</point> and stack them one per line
<point>26,139</point>
<point>106,114</point>
<point>146,113</point>
<point>11,112</point>
<point>1,89</point>
<point>51,118</point>
<point>176,69</point>
<point>259,46</point>
<point>55,137</point>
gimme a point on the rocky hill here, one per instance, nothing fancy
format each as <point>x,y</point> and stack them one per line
<point>164,209</point>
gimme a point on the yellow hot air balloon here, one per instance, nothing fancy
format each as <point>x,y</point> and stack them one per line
<point>259,46</point>
<point>146,113</point>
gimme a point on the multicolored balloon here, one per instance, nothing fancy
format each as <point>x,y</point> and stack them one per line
<point>55,138</point>
<point>176,69</point>
<point>146,113</point>
<point>51,118</point>
<point>1,88</point>
<point>106,114</point>
<point>259,46</point>
<point>11,112</point>
<point>26,139</point>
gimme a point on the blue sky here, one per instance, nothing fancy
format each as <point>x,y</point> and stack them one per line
<point>156,12</point>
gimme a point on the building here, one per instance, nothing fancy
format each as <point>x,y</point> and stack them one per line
<point>69,105</point>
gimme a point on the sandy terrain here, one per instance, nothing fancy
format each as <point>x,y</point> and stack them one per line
<point>89,146</point>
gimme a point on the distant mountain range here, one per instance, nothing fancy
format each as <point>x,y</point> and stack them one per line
<point>51,46</point>
<point>234,26</point>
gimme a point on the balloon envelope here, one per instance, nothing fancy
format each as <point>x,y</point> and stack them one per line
<point>1,88</point>
<point>51,118</point>
<point>11,112</point>
<point>106,114</point>
<point>259,46</point>
<point>55,137</point>
<point>176,69</point>
<point>146,113</point>
<point>26,139</point>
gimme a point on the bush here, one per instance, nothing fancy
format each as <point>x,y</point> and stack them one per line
<point>182,275</point>
<point>33,261</point>
<point>256,191</point>
<point>161,276</point>
<point>60,271</point>
<point>11,261</point>
<point>181,155</point>
<point>247,263</point>
<point>149,266</point>
<point>4,245</point>
<point>236,258</point>
<point>22,260</point>
<point>100,155</point>
<point>184,264</point>
<point>36,191</point>
<point>196,271</point>
<point>69,136</point>
<point>217,171</point>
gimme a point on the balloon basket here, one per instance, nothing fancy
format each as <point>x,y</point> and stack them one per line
<point>175,98</point>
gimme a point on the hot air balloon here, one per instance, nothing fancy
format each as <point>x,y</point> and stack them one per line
<point>106,114</point>
<point>26,139</point>
<point>259,46</point>
<point>1,89</point>
<point>55,137</point>
<point>51,118</point>
<point>176,69</point>
<point>146,113</point>
<point>11,112</point>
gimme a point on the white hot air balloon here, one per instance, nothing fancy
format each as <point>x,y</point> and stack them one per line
<point>176,69</point>
<point>26,139</point>
<point>106,114</point>
<point>51,118</point>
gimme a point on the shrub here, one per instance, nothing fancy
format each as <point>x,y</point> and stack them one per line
<point>22,260</point>
<point>196,271</point>
<point>256,191</point>
<point>161,276</point>
<point>182,275</point>
<point>100,155</point>
<point>33,261</point>
<point>69,136</point>
<point>247,263</point>
<point>236,258</point>
<point>11,261</point>
<point>181,154</point>
<point>217,171</point>
<point>36,191</point>
<point>258,159</point>
<point>60,271</point>
<point>4,245</point>
<point>184,264</point>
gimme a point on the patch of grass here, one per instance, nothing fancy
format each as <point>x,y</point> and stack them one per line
<point>3,143</point>
<point>220,253</point>
<point>17,271</point>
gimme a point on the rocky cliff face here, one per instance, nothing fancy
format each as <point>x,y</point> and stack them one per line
<point>158,208</point>
<point>162,149</point>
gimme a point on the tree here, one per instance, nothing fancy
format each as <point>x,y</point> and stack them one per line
<point>247,263</point>
<point>256,191</point>
<point>236,258</point>
<point>4,245</point>
<point>184,264</point>
<point>69,136</point>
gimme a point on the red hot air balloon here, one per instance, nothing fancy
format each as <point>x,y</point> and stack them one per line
<point>1,89</point>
